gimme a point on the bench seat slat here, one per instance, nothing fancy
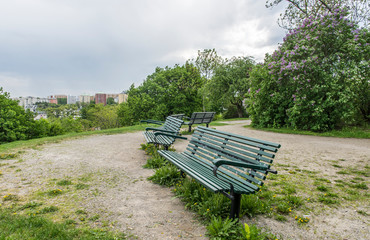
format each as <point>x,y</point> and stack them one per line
<point>236,170</point>
<point>196,149</point>
<point>204,174</point>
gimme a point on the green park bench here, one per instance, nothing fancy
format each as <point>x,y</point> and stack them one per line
<point>199,118</point>
<point>225,163</point>
<point>166,134</point>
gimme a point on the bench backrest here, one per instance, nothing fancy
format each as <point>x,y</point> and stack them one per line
<point>209,144</point>
<point>173,124</point>
<point>179,116</point>
<point>201,117</point>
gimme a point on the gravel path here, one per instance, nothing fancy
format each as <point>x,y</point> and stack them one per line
<point>119,190</point>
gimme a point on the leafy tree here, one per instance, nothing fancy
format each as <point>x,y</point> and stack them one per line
<point>165,92</point>
<point>62,101</point>
<point>100,116</point>
<point>15,122</point>
<point>61,111</point>
<point>317,79</point>
<point>230,84</point>
<point>298,10</point>
<point>207,61</point>
<point>110,101</point>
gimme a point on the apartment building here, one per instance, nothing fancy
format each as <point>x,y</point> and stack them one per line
<point>101,98</point>
<point>84,98</point>
<point>122,97</point>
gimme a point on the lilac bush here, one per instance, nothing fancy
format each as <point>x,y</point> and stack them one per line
<point>318,78</point>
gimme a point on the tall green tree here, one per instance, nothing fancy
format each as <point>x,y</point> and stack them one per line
<point>230,84</point>
<point>207,61</point>
<point>167,91</point>
<point>298,10</point>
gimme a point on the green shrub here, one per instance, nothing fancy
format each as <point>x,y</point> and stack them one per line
<point>167,175</point>
<point>318,78</point>
<point>156,161</point>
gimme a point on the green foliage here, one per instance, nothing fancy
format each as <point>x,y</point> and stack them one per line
<point>100,116</point>
<point>230,84</point>
<point>167,175</point>
<point>224,229</point>
<point>156,161</point>
<point>318,78</point>
<point>15,122</point>
<point>166,91</point>
<point>232,229</point>
<point>62,101</point>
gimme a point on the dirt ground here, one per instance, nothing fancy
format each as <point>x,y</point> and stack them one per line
<point>120,192</point>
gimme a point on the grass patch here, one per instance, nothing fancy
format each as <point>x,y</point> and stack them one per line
<point>64,183</point>
<point>355,132</point>
<point>7,156</point>
<point>30,205</point>
<point>14,226</point>
<point>10,197</point>
<point>80,186</point>
<point>49,209</point>
<point>54,192</point>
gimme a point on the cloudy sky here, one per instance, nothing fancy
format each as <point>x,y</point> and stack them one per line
<point>78,47</point>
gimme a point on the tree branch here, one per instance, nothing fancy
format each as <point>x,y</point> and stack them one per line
<point>298,7</point>
<point>323,3</point>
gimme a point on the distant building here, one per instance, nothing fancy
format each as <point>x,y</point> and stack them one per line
<point>84,98</point>
<point>122,97</point>
<point>72,99</point>
<point>30,102</point>
<point>101,98</point>
<point>58,99</point>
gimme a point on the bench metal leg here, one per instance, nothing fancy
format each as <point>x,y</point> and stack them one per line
<point>189,128</point>
<point>235,206</point>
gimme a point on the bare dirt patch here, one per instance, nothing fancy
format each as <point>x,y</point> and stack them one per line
<point>117,189</point>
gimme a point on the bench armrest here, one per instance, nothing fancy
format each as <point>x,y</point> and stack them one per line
<point>219,161</point>
<point>169,135</point>
<point>159,130</point>
<point>152,121</point>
